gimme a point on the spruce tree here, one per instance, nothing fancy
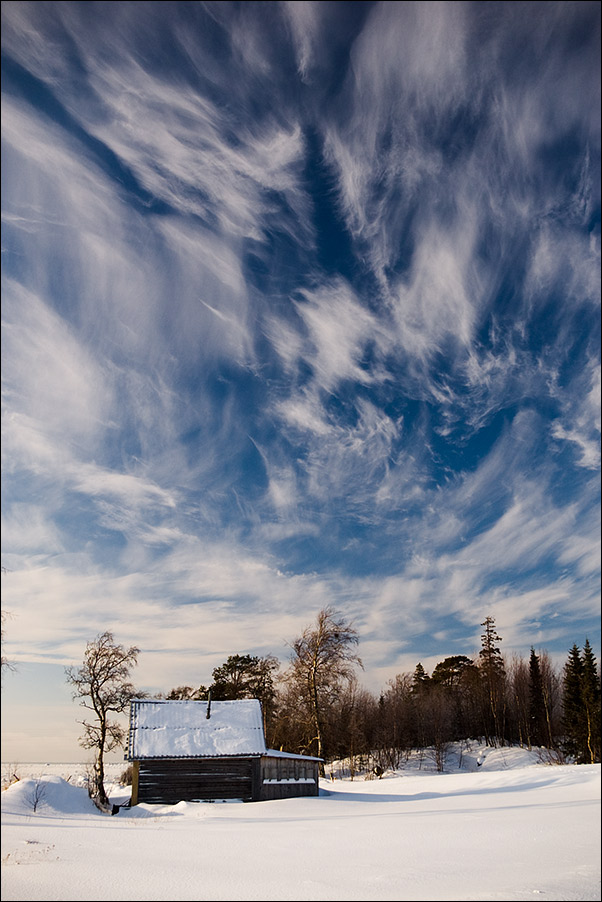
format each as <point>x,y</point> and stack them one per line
<point>537,707</point>
<point>420,679</point>
<point>581,706</point>
<point>571,702</point>
<point>419,693</point>
<point>590,697</point>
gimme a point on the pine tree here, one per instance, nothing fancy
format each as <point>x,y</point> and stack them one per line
<point>456,677</point>
<point>493,672</point>
<point>247,676</point>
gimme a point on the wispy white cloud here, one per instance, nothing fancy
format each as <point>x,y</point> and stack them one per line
<point>581,548</point>
<point>49,375</point>
<point>338,328</point>
<point>580,420</point>
<point>437,302</point>
<point>304,20</point>
<point>28,529</point>
<point>408,62</point>
<point>60,602</point>
<point>248,434</point>
<point>566,263</point>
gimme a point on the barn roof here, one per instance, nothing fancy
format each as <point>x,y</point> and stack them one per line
<point>277,753</point>
<point>161,728</point>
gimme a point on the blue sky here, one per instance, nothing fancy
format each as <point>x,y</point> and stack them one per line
<point>300,307</point>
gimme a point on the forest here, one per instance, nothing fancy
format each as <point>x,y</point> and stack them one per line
<point>317,706</point>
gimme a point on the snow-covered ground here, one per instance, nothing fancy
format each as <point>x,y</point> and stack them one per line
<point>498,824</point>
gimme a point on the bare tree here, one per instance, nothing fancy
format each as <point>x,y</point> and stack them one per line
<point>102,683</point>
<point>518,681</point>
<point>323,661</point>
<point>37,793</point>
<point>396,722</point>
<point>6,663</point>
<point>552,693</point>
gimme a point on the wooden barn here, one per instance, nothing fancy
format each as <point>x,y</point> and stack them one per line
<point>202,751</point>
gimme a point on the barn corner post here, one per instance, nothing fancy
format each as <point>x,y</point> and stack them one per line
<point>135,765</point>
<point>135,781</point>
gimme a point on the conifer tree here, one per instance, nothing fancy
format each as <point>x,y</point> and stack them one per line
<point>421,679</point>
<point>581,706</point>
<point>493,671</point>
<point>456,677</point>
<point>590,696</point>
<point>247,676</point>
<point>571,702</point>
<point>537,708</point>
<point>419,693</point>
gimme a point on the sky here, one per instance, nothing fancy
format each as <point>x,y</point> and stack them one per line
<point>300,309</point>
<point>513,829</point>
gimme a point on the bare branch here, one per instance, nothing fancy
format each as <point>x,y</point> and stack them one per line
<point>102,685</point>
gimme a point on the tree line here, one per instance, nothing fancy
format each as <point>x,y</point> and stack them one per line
<point>316,705</point>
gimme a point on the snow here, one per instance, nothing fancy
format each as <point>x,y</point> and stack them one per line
<point>509,828</point>
<point>181,729</point>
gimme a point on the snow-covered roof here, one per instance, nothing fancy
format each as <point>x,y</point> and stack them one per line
<point>161,728</point>
<point>276,753</point>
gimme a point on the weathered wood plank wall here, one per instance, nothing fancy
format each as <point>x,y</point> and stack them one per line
<point>171,780</point>
<point>285,778</point>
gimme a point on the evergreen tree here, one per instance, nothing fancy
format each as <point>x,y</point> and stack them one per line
<point>571,703</point>
<point>421,679</point>
<point>493,672</point>
<point>455,676</point>
<point>537,708</point>
<point>590,695</point>
<point>449,672</point>
<point>421,682</point>
<point>247,676</point>
<point>244,676</point>
<point>186,693</point>
<point>581,706</point>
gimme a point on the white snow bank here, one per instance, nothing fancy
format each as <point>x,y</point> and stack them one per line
<point>501,834</point>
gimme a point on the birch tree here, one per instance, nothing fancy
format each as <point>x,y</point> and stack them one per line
<point>322,662</point>
<point>102,684</point>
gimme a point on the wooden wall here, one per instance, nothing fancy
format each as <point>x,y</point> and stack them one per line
<point>171,780</point>
<point>286,778</point>
<point>167,781</point>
